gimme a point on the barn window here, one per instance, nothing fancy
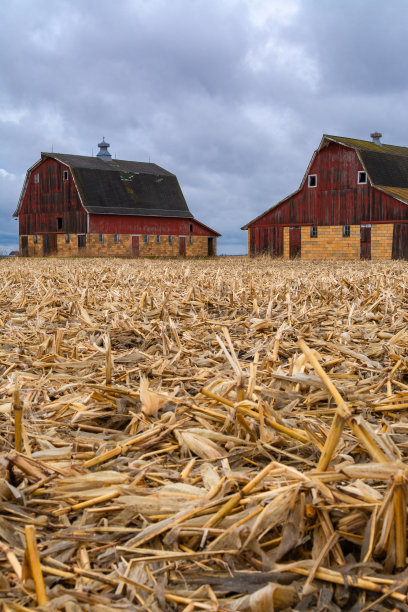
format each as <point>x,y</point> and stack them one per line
<point>66,175</point>
<point>191,240</point>
<point>59,223</point>
<point>191,227</point>
<point>146,238</point>
<point>362,177</point>
<point>35,239</point>
<point>313,231</point>
<point>81,241</point>
<point>158,239</point>
<point>67,238</point>
<point>170,239</point>
<point>346,231</point>
<point>116,238</point>
<point>101,238</point>
<point>36,178</point>
<point>312,180</point>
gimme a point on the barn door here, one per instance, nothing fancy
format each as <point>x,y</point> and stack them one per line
<point>294,242</point>
<point>49,244</point>
<point>182,246</point>
<point>365,242</point>
<point>135,246</point>
<point>24,246</point>
<point>211,249</point>
<point>400,241</point>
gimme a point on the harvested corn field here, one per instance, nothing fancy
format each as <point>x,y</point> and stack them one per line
<point>203,435</point>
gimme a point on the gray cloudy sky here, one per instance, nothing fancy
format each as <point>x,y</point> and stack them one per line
<point>232,96</point>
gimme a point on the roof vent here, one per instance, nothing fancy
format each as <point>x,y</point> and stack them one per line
<point>103,151</point>
<point>376,137</point>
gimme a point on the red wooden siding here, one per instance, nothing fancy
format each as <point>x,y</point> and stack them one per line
<point>49,199</point>
<point>266,241</point>
<point>122,224</point>
<point>337,199</point>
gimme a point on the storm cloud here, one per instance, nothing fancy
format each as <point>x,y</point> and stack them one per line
<point>232,96</point>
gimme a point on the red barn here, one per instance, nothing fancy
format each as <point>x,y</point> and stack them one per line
<point>352,203</point>
<point>74,205</point>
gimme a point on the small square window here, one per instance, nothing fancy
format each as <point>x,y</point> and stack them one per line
<point>101,238</point>
<point>35,239</point>
<point>312,180</point>
<point>146,238</point>
<point>346,231</point>
<point>362,177</point>
<point>158,239</point>
<point>170,239</point>
<point>66,175</point>
<point>191,240</point>
<point>67,238</point>
<point>116,238</point>
<point>59,223</point>
<point>36,178</point>
<point>313,231</point>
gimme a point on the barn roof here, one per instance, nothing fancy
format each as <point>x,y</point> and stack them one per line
<point>121,187</point>
<point>386,166</point>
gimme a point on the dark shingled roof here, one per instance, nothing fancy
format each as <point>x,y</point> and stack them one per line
<point>121,187</point>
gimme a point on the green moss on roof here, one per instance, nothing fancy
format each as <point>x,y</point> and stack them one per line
<point>369,145</point>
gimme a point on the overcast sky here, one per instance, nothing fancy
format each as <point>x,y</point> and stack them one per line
<point>232,96</point>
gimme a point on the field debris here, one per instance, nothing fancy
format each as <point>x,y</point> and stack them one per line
<point>216,435</point>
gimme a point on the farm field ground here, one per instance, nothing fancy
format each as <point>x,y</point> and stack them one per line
<point>224,434</point>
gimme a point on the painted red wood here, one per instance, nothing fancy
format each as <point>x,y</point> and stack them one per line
<point>365,242</point>
<point>294,242</point>
<point>135,246</point>
<point>49,244</point>
<point>51,198</point>
<point>337,199</point>
<point>164,226</point>
<point>182,246</point>
<point>400,241</point>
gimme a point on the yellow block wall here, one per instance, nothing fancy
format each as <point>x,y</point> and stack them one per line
<point>109,248</point>
<point>330,243</point>
<point>381,241</point>
<point>286,243</point>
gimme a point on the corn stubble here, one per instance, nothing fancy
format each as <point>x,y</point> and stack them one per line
<point>203,435</point>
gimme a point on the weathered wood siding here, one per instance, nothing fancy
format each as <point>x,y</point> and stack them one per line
<point>124,224</point>
<point>49,199</point>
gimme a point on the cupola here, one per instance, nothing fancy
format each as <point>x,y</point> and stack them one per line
<point>103,152</point>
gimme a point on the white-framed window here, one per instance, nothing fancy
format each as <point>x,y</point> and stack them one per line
<point>36,178</point>
<point>146,238</point>
<point>190,240</point>
<point>170,239</point>
<point>66,175</point>
<point>158,239</point>
<point>313,231</point>
<point>67,238</point>
<point>312,180</point>
<point>116,238</point>
<point>346,231</point>
<point>101,238</point>
<point>35,239</point>
<point>361,177</point>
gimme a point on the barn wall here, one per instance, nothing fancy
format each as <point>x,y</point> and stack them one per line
<point>94,248</point>
<point>49,199</point>
<point>381,240</point>
<point>330,243</point>
<point>121,224</point>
